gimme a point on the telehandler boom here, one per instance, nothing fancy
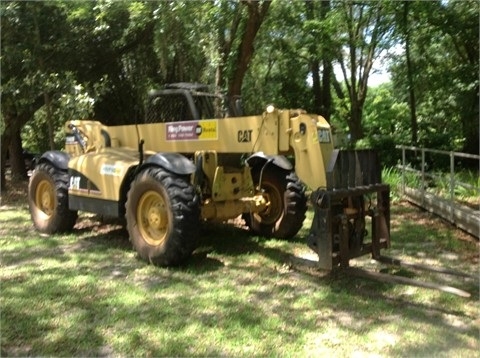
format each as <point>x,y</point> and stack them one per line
<point>186,164</point>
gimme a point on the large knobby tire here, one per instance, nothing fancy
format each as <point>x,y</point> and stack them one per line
<point>163,215</point>
<point>48,200</point>
<point>285,215</point>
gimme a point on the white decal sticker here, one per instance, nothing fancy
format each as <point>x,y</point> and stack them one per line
<point>74,183</point>
<point>111,169</point>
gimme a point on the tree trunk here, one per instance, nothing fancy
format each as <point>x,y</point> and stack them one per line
<point>365,31</point>
<point>326,92</point>
<point>317,90</point>
<point>12,144</point>
<point>411,88</point>
<point>256,14</point>
<point>471,125</point>
<point>326,100</point>
<point>3,167</point>
<point>355,121</point>
<point>17,160</point>
<point>320,84</point>
<point>46,96</point>
<point>314,62</point>
<point>14,123</point>
<point>50,124</point>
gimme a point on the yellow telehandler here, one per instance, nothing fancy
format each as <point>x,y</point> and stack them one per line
<point>185,164</point>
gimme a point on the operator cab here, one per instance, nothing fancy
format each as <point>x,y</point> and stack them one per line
<point>189,102</point>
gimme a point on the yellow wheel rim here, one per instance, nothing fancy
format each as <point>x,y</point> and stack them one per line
<point>274,207</point>
<point>45,199</point>
<point>152,218</point>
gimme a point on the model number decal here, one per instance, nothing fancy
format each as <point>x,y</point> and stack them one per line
<point>244,136</point>
<point>70,139</point>
<point>323,135</point>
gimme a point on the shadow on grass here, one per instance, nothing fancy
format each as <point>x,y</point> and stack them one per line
<point>13,221</point>
<point>61,322</point>
<point>99,300</point>
<point>116,238</point>
<point>357,300</point>
<point>230,240</point>
<point>362,307</point>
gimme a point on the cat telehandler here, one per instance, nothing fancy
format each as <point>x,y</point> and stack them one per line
<point>185,164</point>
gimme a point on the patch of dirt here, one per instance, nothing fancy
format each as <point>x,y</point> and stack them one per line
<point>15,193</point>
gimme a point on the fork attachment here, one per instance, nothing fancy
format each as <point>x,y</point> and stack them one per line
<point>354,197</point>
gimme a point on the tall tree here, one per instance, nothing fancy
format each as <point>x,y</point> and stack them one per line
<point>256,13</point>
<point>460,22</point>
<point>227,18</point>
<point>31,50</point>
<point>320,55</point>
<point>443,53</point>
<point>115,45</point>
<point>405,26</point>
<point>281,71</point>
<point>363,30</point>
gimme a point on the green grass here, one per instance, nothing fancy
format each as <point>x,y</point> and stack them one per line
<point>466,188</point>
<point>87,294</point>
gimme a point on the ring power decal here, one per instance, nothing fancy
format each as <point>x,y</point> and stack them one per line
<point>193,130</point>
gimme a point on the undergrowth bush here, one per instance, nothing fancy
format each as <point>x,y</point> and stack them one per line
<point>393,177</point>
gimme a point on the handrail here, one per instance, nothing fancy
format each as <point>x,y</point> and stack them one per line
<point>453,182</point>
<point>438,151</point>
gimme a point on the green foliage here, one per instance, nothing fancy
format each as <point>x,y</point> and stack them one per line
<point>130,47</point>
<point>384,145</point>
<point>472,188</point>
<point>465,185</point>
<point>386,124</point>
<point>393,177</point>
<point>72,101</point>
<point>385,115</point>
<point>278,73</point>
<point>445,58</point>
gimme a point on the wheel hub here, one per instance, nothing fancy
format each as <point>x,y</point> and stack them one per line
<point>152,218</point>
<point>273,209</point>
<point>45,197</point>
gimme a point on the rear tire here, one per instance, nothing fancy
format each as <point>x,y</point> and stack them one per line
<point>162,213</point>
<point>288,204</point>
<point>48,200</point>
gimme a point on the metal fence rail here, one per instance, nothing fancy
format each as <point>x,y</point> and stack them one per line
<point>418,184</point>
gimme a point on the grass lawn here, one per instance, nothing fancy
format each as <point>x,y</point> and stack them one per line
<point>87,294</point>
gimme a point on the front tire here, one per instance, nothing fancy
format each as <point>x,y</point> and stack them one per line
<point>48,200</point>
<point>162,213</point>
<point>285,215</point>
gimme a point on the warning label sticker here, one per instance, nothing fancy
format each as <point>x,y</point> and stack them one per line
<point>194,130</point>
